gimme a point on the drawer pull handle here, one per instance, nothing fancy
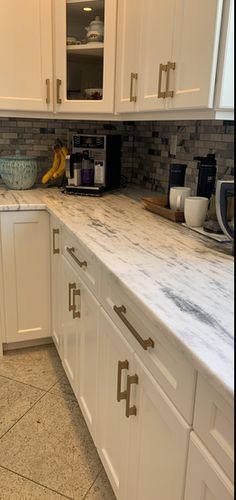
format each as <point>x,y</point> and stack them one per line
<point>122,365</point>
<point>120,311</point>
<point>80,263</point>
<point>48,91</point>
<point>162,67</point>
<point>133,76</point>
<point>131,379</point>
<point>71,286</point>
<point>59,82</point>
<point>76,314</point>
<point>54,249</point>
<point>170,65</point>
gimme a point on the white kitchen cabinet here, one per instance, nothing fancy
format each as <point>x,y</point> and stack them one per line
<point>225,69</point>
<point>88,360</point>
<point>70,322</point>
<point>26,55</point>
<point>84,72</point>
<point>115,359</point>
<point>26,275</point>
<point>175,57</point>
<point>205,479</point>
<point>143,440</point>
<point>55,235</point>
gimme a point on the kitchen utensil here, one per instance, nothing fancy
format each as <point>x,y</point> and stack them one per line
<point>18,172</point>
<point>157,204</point>
<point>95,31</point>
<point>224,206</point>
<point>195,210</point>
<point>177,197</point>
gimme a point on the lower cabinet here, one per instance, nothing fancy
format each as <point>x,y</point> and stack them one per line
<point>205,478</point>
<point>143,440</point>
<point>26,275</point>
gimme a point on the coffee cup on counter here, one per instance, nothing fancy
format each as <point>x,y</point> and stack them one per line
<point>177,197</point>
<point>195,210</point>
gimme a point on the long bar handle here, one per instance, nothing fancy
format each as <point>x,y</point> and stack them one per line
<point>130,410</point>
<point>59,82</point>
<point>122,365</point>
<point>133,76</point>
<point>54,249</point>
<point>170,65</point>
<point>120,311</point>
<point>162,67</point>
<point>48,91</point>
<point>71,286</point>
<point>76,314</point>
<point>71,251</point>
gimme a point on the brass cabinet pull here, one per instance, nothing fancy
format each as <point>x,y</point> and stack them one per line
<point>133,76</point>
<point>170,65</point>
<point>54,249</point>
<point>144,343</point>
<point>59,101</point>
<point>71,286</point>
<point>48,91</point>
<point>130,410</point>
<point>80,263</point>
<point>76,314</point>
<point>162,67</point>
<point>122,365</point>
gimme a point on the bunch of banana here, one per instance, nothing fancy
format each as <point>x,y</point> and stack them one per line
<point>58,165</point>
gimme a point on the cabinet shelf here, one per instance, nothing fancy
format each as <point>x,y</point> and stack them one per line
<point>91,49</point>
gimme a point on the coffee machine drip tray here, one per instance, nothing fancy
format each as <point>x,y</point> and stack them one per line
<point>85,190</point>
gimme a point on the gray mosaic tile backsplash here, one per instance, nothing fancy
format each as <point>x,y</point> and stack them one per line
<point>146,152</point>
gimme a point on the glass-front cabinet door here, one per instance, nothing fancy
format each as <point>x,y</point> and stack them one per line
<point>85,38</point>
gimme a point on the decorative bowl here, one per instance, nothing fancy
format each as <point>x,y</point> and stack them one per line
<point>18,172</point>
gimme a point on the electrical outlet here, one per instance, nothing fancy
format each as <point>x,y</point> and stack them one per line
<point>173,145</point>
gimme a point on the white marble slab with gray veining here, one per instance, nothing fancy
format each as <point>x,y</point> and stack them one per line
<point>181,278</point>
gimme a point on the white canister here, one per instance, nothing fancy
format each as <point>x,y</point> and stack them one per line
<point>177,197</point>
<point>195,210</point>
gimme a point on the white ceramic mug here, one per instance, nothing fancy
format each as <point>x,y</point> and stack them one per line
<point>177,197</point>
<point>195,210</point>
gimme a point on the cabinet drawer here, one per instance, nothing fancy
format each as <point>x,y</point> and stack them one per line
<point>82,260</point>
<point>147,336</point>
<point>213,422</point>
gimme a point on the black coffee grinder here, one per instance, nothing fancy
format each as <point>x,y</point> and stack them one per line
<point>176,177</point>
<point>206,176</point>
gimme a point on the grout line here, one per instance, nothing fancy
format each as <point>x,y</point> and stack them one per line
<point>35,482</point>
<point>24,383</point>
<point>84,498</point>
<point>33,405</point>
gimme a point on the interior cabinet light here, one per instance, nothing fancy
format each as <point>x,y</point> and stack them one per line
<point>87,9</point>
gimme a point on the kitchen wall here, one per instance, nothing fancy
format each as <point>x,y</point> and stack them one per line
<point>145,147</point>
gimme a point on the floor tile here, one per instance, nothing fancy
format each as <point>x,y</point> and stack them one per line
<point>101,489</point>
<point>52,446</point>
<point>63,388</point>
<point>15,400</point>
<point>13,487</point>
<point>37,366</point>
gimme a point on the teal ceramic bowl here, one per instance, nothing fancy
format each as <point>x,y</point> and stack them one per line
<point>18,172</point>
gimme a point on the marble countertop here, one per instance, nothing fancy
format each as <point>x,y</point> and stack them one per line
<point>183,279</point>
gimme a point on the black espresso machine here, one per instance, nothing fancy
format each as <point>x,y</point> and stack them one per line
<point>94,165</point>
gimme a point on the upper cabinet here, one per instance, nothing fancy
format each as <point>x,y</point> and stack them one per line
<point>175,58</point>
<point>84,50</point>
<point>26,55</point>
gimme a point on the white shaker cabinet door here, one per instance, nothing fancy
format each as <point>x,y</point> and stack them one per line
<point>159,441</point>
<point>26,275</point>
<point>115,361</point>
<point>88,363</point>
<point>56,282</point>
<point>70,322</point>
<point>26,55</point>
<point>205,478</point>
<point>195,51</point>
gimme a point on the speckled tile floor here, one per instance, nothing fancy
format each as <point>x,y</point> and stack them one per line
<point>46,452</point>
